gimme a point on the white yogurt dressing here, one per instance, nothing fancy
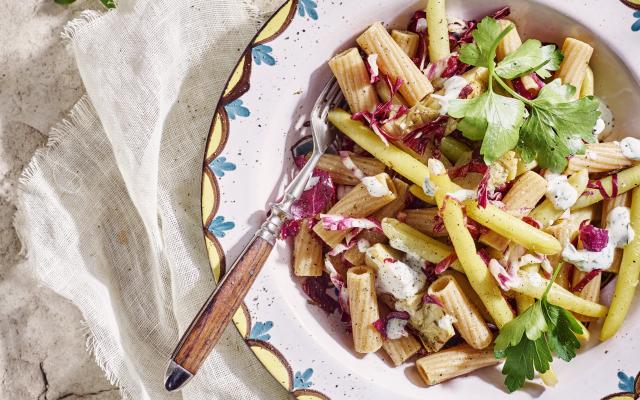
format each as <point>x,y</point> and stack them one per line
<point>375,187</point>
<point>396,328</point>
<point>620,234</point>
<point>399,279</point>
<point>561,194</point>
<point>630,148</point>
<point>452,88</point>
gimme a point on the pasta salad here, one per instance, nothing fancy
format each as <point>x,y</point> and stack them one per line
<point>473,210</point>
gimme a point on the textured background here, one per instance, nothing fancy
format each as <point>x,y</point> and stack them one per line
<point>42,345</point>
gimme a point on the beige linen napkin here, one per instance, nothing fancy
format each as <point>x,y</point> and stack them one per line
<point>109,211</point>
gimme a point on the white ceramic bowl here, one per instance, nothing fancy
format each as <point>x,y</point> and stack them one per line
<point>262,113</point>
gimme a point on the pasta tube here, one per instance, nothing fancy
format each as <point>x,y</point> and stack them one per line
<point>421,195</point>
<point>307,252</point>
<point>363,307</point>
<point>426,220</point>
<point>438,30</point>
<point>591,291</point>
<point>466,288</point>
<point>341,175</point>
<point>394,63</point>
<point>627,180</point>
<point>574,65</point>
<point>408,41</point>
<point>469,322</point>
<point>353,78</point>
<point>519,201</point>
<point>511,42</point>
<point>447,364</point>
<point>400,350</point>
<point>546,213</point>
<point>599,157</point>
<point>588,83</point>
<point>627,276</point>
<point>533,285</point>
<point>474,267</point>
<point>357,203</point>
<point>404,238</point>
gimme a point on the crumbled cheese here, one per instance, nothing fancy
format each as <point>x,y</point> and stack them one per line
<point>446,322</point>
<point>363,245</point>
<point>599,127</point>
<point>373,64</point>
<point>560,192</point>
<point>428,187</point>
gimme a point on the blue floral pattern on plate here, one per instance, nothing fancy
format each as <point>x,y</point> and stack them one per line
<point>262,54</point>
<point>636,25</point>
<point>259,331</point>
<point>237,108</point>
<point>627,383</point>
<point>219,226</point>
<point>220,165</point>
<point>308,7</point>
<point>302,380</point>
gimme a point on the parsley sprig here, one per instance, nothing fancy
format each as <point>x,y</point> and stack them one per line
<point>528,341</point>
<point>557,124</point>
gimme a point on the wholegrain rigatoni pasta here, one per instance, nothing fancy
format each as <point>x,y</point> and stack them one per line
<point>307,252</point>
<point>408,41</point>
<point>469,322</point>
<point>400,350</point>
<point>447,364</point>
<point>575,63</point>
<point>357,203</point>
<point>341,175</point>
<point>395,63</point>
<point>363,308</point>
<point>353,78</point>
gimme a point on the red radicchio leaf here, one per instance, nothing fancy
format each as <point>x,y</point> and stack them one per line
<point>418,138</point>
<point>315,199</point>
<point>382,114</point>
<point>315,288</point>
<point>300,161</point>
<point>592,238</point>
<point>532,221</point>
<point>382,323</point>
<point>483,189</point>
<point>475,165</point>
<point>585,280</point>
<point>429,299</point>
<point>597,184</point>
<point>484,255</point>
<point>429,270</point>
<point>474,228</point>
<point>456,40</point>
<point>465,92</point>
<point>445,263</point>
<point>389,260</point>
<point>454,67</point>
<point>290,228</point>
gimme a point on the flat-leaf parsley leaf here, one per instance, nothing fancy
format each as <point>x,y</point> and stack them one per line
<point>528,341</point>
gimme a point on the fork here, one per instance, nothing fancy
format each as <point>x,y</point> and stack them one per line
<point>214,316</point>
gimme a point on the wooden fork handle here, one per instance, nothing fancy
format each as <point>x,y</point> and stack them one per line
<point>213,318</point>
